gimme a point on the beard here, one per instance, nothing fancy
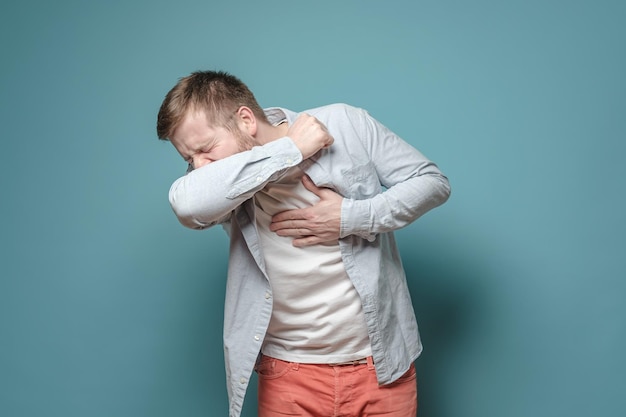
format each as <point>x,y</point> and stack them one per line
<point>245,141</point>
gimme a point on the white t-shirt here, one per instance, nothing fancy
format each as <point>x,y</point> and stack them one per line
<point>317,315</point>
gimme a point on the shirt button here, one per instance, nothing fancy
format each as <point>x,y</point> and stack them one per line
<point>267,295</point>
<point>259,179</point>
<point>242,380</point>
<point>256,337</point>
<point>289,160</point>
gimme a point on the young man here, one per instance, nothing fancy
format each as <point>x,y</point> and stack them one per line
<point>316,298</point>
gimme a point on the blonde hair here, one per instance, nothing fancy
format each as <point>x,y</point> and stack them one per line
<point>217,93</point>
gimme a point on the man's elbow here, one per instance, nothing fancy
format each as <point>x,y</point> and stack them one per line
<point>442,189</point>
<point>184,211</point>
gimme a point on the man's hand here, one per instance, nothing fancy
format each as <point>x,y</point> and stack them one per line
<point>309,135</point>
<point>319,223</point>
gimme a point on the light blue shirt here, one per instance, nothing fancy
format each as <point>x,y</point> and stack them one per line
<point>386,184</point>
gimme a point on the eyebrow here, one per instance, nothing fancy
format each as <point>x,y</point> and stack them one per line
<point>186,159</point>
<point>209,143</point>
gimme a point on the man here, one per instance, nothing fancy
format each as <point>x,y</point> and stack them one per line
<point>316,297</point>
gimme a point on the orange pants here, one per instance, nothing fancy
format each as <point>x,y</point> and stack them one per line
<point>297,389</point>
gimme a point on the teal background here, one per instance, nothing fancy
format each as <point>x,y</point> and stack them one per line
<point>108,307</point>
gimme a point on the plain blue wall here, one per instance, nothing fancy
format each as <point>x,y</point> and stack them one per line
<point>108,307</point>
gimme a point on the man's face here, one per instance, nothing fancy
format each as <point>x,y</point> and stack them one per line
<point>200,144</point>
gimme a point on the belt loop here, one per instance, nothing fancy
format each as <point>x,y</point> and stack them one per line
<point>295,366</point>
<point>370,363</point>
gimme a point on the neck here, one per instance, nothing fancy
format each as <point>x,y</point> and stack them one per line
<point>267,133</point>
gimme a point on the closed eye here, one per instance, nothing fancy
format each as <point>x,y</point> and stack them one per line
<point>206,149</point>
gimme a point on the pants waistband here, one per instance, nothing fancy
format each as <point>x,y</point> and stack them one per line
<point>369,360</point>
<point>363,361</point>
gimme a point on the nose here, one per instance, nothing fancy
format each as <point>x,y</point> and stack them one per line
<point>199,161</point>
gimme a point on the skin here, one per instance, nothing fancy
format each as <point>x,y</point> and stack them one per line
<point>199,143</point>
<point>312,225</point>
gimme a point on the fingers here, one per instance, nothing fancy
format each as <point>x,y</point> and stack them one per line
<point>306,241</point>
<point>310,185</point>
<point>289,227</point>
<point>309,135</point>
<point>293,232</point>
<point>283,217</point>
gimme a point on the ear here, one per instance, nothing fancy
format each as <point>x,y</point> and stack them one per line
<point>247,121</point>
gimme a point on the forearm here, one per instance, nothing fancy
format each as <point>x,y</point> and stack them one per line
<point>394,208</point>
<point>412,185</point>
<point>208,195</point>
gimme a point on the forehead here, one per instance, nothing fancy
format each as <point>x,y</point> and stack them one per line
<point>192,130</point>
<point>193,122</point>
